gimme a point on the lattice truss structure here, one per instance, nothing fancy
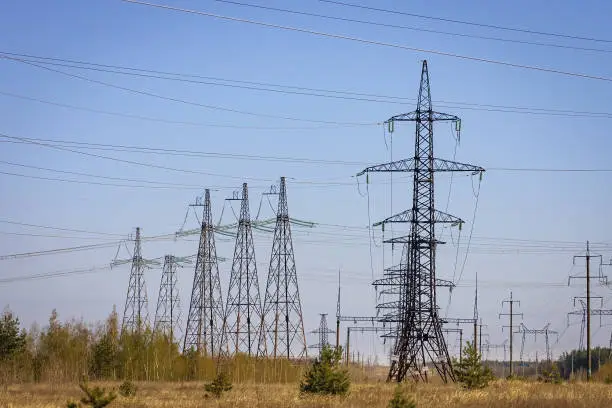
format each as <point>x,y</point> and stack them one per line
<point>136,311</point>
<point>168,311</point>
<point>204,332</point>
<point>323,332</point>
<point>282,333</point>
<point>243,312</point>
<point>418,327</point>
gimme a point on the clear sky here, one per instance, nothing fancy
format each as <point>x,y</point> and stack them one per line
<point>528,224</point>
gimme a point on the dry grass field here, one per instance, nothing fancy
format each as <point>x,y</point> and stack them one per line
<point>514,394</point>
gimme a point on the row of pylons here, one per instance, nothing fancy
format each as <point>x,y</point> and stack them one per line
<point>241,324</point>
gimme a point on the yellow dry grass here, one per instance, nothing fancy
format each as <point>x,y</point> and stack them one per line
<point>514,394</point>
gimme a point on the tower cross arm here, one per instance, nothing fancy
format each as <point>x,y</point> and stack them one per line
<point>396,281</point>
<point>416,115</point>
<point>408,165</point>
<point>405,216</point>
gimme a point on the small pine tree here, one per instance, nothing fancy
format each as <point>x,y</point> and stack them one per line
<point>96,397</point>
<point>551,375</point>
<point>400,400</point>
<point>325,375</point>
<point>12,341</point>
<point>470,371</point>
<point>127,389</point>
<point>219,385</point>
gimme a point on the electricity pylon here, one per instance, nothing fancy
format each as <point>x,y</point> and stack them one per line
<point>419,332</point>
<point>243,311</point>
<point>135,313</point>
<point>511,326</point>
<point>167,314</point>
<point>524,330</point>
<point>282,333</point>
<point>205,320</point>
<point>587,277</point>
<point>323,331</point>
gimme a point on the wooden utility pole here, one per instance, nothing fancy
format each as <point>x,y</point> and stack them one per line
<point>476,348</point>
<point>511,303</point>
<point>338,317</point>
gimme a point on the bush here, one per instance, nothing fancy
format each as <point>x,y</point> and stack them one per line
<point>325,375</point>
<point>127,389</point>
<point>400,400</point>
<point>552,375</point>
<point>219,385</point>
<point>96,397</point>
<point>470,372</point>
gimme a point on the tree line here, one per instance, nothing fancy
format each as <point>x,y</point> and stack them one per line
<point>69,351</point>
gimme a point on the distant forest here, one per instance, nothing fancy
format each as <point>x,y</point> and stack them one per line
<point>67,351</point>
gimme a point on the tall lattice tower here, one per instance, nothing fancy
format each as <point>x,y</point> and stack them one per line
<point>204,331</point>
<point>323,331</point>
<point>243,311</point>
<point>167,314</point>
<point>136,314</point>
<point>282,332</point>
<point>420,339</point>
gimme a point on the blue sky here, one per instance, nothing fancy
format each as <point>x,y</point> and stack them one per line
<point>567,208</point>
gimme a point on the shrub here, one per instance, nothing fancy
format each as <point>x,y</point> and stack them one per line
<point>325,375</point>
<point>470,372</point>
<point>127,389</point>
<point>95,397</point>
<point>219,385</point>
<point>552,375</point>
<point>400,400</point>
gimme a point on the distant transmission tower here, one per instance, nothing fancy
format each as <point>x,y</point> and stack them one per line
<point>243,312</point>
<point>323,331</point>
<point>420,337</point>
<point>204,332</point>
<point>167,313</point>
<point>282,332</point>
<point>136,314</point>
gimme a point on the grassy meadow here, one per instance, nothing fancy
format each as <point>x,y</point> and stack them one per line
<point>518,394</point>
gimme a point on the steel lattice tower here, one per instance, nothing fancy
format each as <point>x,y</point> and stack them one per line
<point>135,314</point>
<point>204,331</point>
<point>168,303</point>
<point>243,312</point>
<point>323,331</point>
<point>420,339</point>
<point>282,332</point>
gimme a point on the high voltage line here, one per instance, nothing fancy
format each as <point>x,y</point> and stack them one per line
<point>471,23</point>
<point>150,118</point>
<point>177,100</point>
<point>373,42</point>
<point>404,27</point>
<point>68,146</point>
<point>288,89</point>
<point>23,224</point>
<point>508,245</point>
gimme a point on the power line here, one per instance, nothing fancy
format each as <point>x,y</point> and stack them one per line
<point>55,274</point>
<point>373,42</point>
<point>58,251</point>
<point>471,23</point>
<point>149,118</point>
<point>58,143</point>
<point>316,92</point>
<point>156,183</point>
<point>25,234</point>
<point>132,162</point>
<point>193,153</point>
<point>419,29</point>
<point>177,100</point>
<point>4,221</point>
